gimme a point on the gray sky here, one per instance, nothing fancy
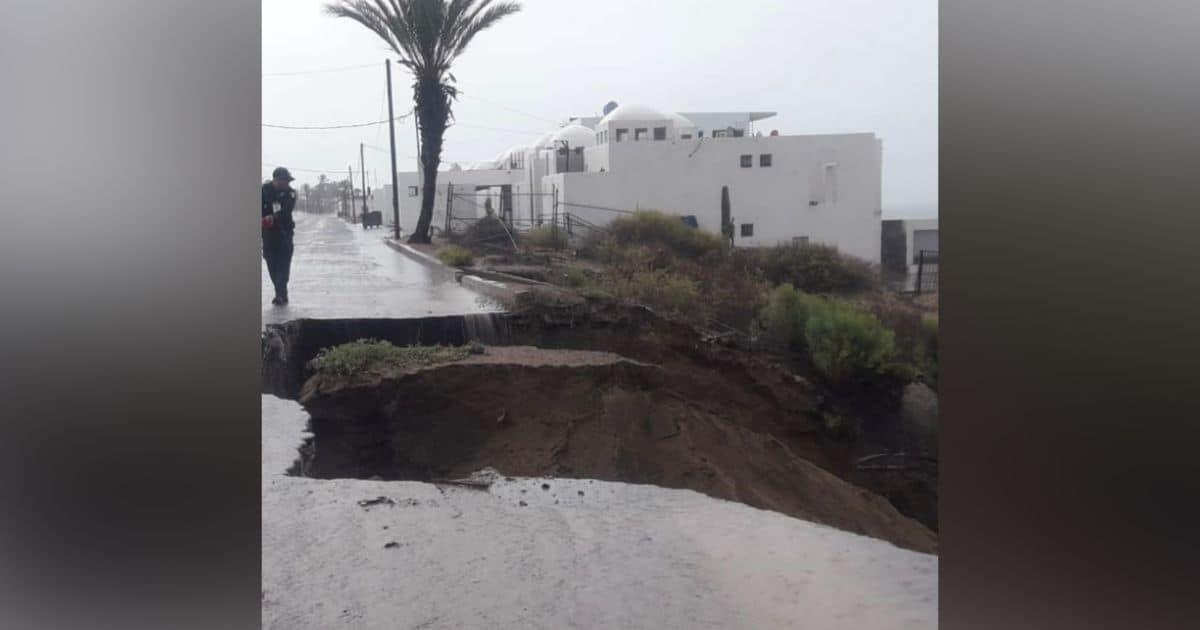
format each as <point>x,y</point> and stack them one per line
<point>825,67</point>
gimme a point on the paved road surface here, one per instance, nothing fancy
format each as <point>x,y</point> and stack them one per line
<point>341,270</point>
<point>572,553</point>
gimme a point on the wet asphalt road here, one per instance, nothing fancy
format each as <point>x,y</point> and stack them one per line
<point>340,270</point>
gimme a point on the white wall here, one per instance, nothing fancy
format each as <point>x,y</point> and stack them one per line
<point>464,182</point>
<point>685,177</point>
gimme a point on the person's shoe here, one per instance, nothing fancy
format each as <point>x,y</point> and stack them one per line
<point>276,301</point>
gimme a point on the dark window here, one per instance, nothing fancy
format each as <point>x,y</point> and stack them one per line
<point>764,159</point>
<point>639,134</point>
<point>660,133</point>
<point>747,161</point>
<point>700,133</point>
<point>412,191</point>
<point>685,136</point>
<point>747,229</point>
<point>718,133</point>
<point>622,134</point>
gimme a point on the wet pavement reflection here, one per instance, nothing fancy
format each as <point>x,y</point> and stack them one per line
<point>340,270</point>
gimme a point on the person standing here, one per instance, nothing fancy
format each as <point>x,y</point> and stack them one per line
<point>278,228</point>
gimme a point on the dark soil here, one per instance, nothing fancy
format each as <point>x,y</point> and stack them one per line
<point>533,412</point>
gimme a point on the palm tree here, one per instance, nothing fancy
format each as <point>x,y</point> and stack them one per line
<point>428,35</point>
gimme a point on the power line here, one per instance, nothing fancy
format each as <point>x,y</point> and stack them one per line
<point>324,71</point>
<point>352,126</point>
<point>520,131</point>
<point>515,111</point>
<point>308,170</point>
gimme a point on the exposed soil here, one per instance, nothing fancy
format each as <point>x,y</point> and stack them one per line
<point>531,412</point>
<point>775,400</point>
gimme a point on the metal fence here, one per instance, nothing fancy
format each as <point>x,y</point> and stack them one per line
<point>927,271</point>
<point>464,209</point>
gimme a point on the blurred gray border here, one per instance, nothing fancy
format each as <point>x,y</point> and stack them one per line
<point>129,270</point>
<point>1069,139</point>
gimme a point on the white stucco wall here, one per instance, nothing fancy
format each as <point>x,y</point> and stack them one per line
<point>686,177</point>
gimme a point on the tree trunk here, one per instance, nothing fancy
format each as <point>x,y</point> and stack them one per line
<point>433,109</point>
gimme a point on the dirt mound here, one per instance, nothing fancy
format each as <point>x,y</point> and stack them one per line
<point>532,412</point>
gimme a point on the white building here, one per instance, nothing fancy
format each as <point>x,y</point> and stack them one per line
<point>781,188</point>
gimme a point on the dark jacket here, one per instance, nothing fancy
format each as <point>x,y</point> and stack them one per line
<point>286,200</point>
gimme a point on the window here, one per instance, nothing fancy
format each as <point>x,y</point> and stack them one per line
<point>831,187</point>
<point>412,191</point>
<point>747,161</point>
<point>747,229</point>
<point>639,134</point>
<point>699,133</point>
<point>764,159</point>
<point>685,136</point>
<point>622,134</point>
<point>718,133</point>
<point>660,133</point>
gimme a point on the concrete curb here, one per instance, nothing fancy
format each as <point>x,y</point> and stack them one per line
<point>500,276</point>
<point>507,295</point>
<point>448,272</point>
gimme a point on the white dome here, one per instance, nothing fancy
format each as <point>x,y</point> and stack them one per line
<point>576,136</point>
<point>681,122</point>
<point>544,141</point>
<point>632,112</point>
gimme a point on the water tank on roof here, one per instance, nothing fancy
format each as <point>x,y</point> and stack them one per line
<point>609,107</point>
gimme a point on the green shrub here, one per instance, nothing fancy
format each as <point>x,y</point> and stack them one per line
<point>785,314</point>
<point>546,237</point>
<point>814,268</point>
<point>653,228</point>
<point>845,343</point>
<point>842,342</point>
<point>663,291</point>
<point>575,277</point>
<point>927,350</point>
<point>456,256</point>
<point>349,358</point>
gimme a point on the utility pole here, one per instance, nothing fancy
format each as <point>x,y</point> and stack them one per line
<point>350,169</point>
<point>392,134</point>
<point>420,177</point>
<point>363,169</point>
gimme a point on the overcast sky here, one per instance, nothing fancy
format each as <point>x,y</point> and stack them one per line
<point>824,66</point>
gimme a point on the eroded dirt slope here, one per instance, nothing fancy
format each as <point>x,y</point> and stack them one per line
<point>534,412</point>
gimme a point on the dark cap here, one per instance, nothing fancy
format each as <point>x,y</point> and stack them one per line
<point>282,173</point>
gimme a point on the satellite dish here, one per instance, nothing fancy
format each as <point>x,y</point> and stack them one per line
<point>774,132</point>
<point>609,107</point>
